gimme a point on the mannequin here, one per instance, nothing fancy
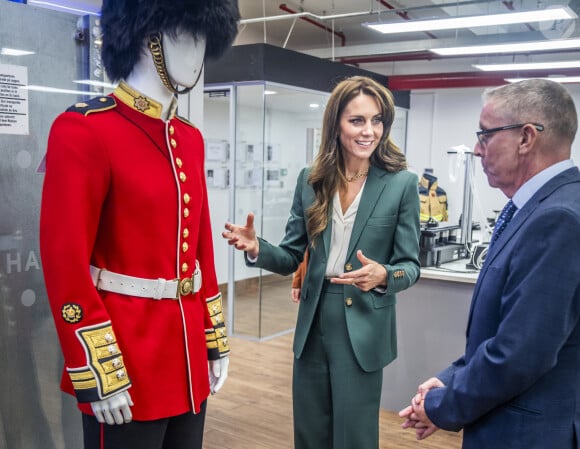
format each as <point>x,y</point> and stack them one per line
<point>184,60</point>
<point>136,302</point>
<point>433,198</point>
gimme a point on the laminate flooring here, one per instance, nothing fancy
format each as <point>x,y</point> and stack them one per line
<point>254,408</point>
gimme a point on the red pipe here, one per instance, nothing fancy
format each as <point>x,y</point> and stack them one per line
<point>342,37</point>
<point>445,80</point>
<point>466,79</point>
<point>403,15</point>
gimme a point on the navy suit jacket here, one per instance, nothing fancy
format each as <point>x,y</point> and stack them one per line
<point>518,384</point>
<point>386,229</point>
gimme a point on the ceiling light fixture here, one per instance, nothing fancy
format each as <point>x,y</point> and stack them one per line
<point>516,47</point>
<point>54,90</point>
<point>557,79</point>
<point>452,23</point>
<point>528,66</point>
<point>60,6</point>
<point>15,52</point>
<point>96,83</point>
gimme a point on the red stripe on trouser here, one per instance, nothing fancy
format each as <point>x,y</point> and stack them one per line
<point>102,436</point>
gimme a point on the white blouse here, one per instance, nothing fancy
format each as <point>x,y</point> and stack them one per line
<point>342,225</point>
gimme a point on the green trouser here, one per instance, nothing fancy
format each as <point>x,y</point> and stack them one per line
<point>336,404</point>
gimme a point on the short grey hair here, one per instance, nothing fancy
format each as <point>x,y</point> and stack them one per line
<point>537,101</point>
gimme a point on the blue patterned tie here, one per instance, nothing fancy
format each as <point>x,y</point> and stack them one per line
<point>504,218</point>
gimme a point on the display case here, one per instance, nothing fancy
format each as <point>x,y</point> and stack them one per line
<point>259,135</point>
<point>263,114</point>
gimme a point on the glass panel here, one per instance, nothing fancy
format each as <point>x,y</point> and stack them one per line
<point>218,131</point>
<point>292,136</point>
<point>248,197</point>
<point>217,163</point>
<point>33,411</point>
<point>277,134</point>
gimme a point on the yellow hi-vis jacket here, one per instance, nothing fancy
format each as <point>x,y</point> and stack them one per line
<point>433,199</point>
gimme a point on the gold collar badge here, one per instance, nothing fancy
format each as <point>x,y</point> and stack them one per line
<point>142,104</point>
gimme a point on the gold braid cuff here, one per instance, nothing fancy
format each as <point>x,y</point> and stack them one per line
<point>104,374</point>
<point>216,338</point>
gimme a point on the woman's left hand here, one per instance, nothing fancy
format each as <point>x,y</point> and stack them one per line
<point>371,275</point>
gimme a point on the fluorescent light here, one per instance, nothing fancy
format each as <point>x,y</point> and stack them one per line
<point>58,6</point>
<point>96,83</point>
<point>54,90</point>
<point>452,23</point>
<point>557,79</point>
<point>270,92</point>
<point>528,66</point>
<point>15,52</point>
<point>516,47</point>
<point>313,105</point>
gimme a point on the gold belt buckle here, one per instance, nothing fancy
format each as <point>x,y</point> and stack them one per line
<point>185,286</point>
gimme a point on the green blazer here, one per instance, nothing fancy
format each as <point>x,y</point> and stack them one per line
<point>386,229</point>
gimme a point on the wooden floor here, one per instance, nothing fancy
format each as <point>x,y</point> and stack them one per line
<point>262,306</point>
<point>254,408</point>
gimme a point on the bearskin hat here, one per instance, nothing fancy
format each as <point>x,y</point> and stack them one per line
<point>126,24</point>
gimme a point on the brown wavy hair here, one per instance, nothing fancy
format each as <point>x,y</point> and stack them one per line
<point>328,171</point>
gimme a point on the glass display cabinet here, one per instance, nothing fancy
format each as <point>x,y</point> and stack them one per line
<point>263,109</point>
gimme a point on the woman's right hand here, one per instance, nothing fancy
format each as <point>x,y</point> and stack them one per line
<point>243,237</point>
<point>296,294</point>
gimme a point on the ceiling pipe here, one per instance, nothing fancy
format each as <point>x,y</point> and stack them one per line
<point>445,81</point>
<point>414,56</point>
<point>510,5</point>
<point>304,14</point>
<point>426,55</point>
<point>466,79</point>
<point>339,34</point>
<point>350,14</point>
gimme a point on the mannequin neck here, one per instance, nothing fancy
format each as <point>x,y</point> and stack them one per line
<point>144,78</point>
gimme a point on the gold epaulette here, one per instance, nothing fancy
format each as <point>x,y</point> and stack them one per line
<point>187,122</point>
<point>98,104</point>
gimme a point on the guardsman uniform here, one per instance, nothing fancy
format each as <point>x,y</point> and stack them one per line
<point>128,258</point>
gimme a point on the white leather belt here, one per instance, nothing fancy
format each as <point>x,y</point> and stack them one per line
<point>146,288</point>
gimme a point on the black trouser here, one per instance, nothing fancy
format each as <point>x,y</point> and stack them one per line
<point>178,432</point>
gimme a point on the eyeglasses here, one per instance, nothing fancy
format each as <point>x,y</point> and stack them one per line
<point>481,135</point>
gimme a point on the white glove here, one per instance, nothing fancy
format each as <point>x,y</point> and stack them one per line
<point>218,373</point>
<point>114,410</point>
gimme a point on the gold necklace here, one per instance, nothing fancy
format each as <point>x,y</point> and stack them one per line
<point>359,175</point>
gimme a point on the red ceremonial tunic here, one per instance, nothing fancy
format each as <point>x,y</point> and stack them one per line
<point>125,191</point>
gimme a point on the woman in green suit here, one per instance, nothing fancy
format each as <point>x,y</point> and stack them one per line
<point>357,211</point>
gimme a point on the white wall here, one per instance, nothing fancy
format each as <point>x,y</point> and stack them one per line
<point>441,119</point>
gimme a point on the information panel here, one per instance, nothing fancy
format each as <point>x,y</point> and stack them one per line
<point>13,99</point>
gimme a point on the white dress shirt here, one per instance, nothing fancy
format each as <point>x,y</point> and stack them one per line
<point>532,185</point>
<point>341,231</point>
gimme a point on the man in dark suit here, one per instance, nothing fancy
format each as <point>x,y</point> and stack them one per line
<point>518,383</point>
